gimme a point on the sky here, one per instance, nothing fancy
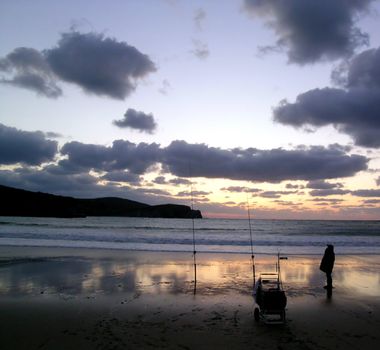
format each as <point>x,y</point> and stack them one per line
<point>272,105</point>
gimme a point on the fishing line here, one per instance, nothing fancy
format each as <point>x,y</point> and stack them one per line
<point>193,228</point>
<point>250,235</point>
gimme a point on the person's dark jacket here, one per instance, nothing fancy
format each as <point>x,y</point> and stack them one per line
<point>328,259</point>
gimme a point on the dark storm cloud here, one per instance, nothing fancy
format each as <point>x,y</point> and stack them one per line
<point>64,167</point>
<point>362,71</point>
<point>328,192</point>
<point>354,112</point>
<point>323,185</point>
<point>121,176</point>
<point>161,180</point>
<point>41,180</point>
<point>313,163</point>
<point>78,185</point>
<point>353,109</point>
<point>32,148</point>
<point>87,156</point>
<point>124,161</point>
<point>137,158</point>
<point>137,120</point>
<point>312,30</point>
<point>99,65</point>
<point>29,70</point>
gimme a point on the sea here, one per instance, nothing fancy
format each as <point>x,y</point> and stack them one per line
<point>181,235</point>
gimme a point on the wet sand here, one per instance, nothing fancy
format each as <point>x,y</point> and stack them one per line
<point>98,299</point>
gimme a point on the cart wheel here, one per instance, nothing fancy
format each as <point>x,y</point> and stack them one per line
<point>256,314</point>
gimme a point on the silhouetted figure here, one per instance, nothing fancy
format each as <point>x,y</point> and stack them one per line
<point>327,264</point>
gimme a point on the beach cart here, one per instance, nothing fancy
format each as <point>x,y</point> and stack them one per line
<point>270,297</point>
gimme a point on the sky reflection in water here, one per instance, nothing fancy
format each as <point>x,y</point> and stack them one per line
<point>74,276</point>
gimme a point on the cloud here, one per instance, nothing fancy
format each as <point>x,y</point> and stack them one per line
<point>256,192</point>
<point>41,180</point>
<point>165,87</point>
<point>286,203</point>
<point>323,185</point>
<point>199,18</point>
<point>378,181</point>
<point>311,30</point>
<point>124,161</point>
<point>122,176</point>
<point>160,180</point>
<point>273,194</point>
<point>328,192</point>
<point>64,167</point>
<point>32,148</point>
<point>240,189</point>
<point>373,171</point>
<point>179,181</point>
<point>154,191</point>
<point>193,193</point>
<point>372,201</point>
<point>53,135</point>
<point>339,191</point>
<point>366,193</point>
<point>200,50</point>
<point>24,59</point>
<point>81,185</point>
<point>353,110</point>
<point>29,70</point>
<point>363,70</point>
<point>293,186</point>
<point>98,64</point>
<point>137,120</point>
<point>313,163</point>
<point>329,200</point>
<point>137,158</point>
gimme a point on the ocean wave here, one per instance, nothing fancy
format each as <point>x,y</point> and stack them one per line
<point>200,241</point>
<point>210,234</point>
<point>322,230</point>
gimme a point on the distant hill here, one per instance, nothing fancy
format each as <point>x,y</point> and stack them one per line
<point>17,202</point>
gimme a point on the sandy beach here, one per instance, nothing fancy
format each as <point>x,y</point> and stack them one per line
<point>54,298</point>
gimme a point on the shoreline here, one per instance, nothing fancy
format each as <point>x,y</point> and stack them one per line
<point>113,250</point>
<point>97,299</point>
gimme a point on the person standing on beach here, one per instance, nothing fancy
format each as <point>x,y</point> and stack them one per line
<point>327,264</point>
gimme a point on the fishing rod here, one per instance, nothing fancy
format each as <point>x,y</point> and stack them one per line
<point>194,251</point>
<point>279,257</point>
<point>250,235</point>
